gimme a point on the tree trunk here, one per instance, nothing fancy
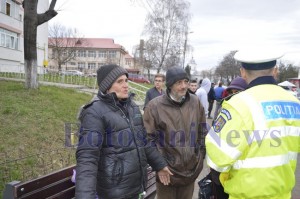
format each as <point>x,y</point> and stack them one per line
<point>31,81</point>
<point>31,21</point>
<point>30,52</point>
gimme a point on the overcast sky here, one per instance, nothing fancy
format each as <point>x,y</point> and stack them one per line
<point>218,26</point>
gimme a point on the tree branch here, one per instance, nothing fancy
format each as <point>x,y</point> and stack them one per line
<point>49,14</point>
<point>52,5</point>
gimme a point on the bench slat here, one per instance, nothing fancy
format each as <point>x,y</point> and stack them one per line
<point>151,192</point>
<point>58,185</point>
<point>66,194</point>
<point>50,190</point>
<point>44,181</point>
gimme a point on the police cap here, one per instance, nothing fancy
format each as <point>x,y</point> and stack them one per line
<point>257,59</point>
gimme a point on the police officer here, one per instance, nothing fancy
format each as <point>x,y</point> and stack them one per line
<point>256,137</point>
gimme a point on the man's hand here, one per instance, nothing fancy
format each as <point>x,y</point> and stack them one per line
<point>164,175</point>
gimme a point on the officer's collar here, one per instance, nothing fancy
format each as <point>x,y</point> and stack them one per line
<point>262,80</point>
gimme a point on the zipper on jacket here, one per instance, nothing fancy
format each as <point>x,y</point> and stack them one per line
<point>136,147</point>
<point>138,152</point>
<point>184,148</point>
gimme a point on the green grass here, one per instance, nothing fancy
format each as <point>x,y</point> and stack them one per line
<point>36,116</point>
<point>32,122</point>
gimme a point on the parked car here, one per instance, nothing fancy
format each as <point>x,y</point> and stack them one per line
<point>72,72</point>
<point>137,78</point>
<point>92,75</point>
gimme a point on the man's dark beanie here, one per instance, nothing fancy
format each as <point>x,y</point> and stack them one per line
<point>175,74</point>
<point>108,74</point>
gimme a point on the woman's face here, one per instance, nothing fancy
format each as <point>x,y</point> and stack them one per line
<point>233,90</point>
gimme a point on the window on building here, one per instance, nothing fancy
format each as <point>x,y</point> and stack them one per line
<point>72,63</point>
<point>91,66</point>
<point>102,54</point>
<point>2,39</point>
<point>81,53</point>
<point>112,54</point>
<point>8,9</point>
<point>100,64</point>
<point>81,65</point>
<point>91,53</point>
<point>128,62</point>
<point>9,39</point>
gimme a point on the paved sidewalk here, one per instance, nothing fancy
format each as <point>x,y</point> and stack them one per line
<point>296,191</point>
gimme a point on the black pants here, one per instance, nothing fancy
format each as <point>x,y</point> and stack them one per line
<point>210,107</point>
<point>218,191</point>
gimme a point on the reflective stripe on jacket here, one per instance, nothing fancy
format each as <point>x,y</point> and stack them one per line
<point>255,141</point>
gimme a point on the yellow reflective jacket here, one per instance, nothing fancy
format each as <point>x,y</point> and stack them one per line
<point>254,142</point>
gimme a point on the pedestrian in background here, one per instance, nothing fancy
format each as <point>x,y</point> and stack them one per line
<point>157,90</point>
<point>255,140</point>
<point>175,122</point>
<point>211,96</point>
<point>107,165</point>
<point>193,86</point>
<point>238,84</point>
<point>218,93</point>
<point>202,94</point>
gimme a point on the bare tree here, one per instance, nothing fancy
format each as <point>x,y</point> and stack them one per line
<point>63,42</point>
<point>209,74</point>
<point>31,21</point>
<point>286,70</point>
<point>228,68</point>
<point>166,25</point>
<point>188,70</point>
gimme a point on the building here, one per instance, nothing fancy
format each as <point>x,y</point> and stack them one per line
<point>296,81</point>
<point>11,35</point>
<point>86,54</point>
<point>12,39</point>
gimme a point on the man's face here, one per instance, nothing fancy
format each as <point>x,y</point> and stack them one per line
<point>120,87</point>
<point>158,82</point>
<point>193,87</point>
<point>180,87</point>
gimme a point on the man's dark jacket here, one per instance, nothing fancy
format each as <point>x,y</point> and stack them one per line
<point>111,155</point>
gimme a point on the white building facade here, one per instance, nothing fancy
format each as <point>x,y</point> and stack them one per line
<point>12,38</point>
<point>89,54</point>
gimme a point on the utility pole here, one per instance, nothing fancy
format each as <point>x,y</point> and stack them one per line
<point>184,47</point>
<point>141,52</point>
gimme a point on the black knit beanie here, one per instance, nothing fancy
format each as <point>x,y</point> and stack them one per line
<point>175,74</point>
<point>108,74</point>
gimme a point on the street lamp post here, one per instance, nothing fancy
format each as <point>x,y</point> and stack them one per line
<point>184,47</point>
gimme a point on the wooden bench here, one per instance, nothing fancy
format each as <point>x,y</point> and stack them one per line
<point>58,185</point>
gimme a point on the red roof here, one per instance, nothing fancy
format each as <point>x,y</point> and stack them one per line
<point>91,42</point>
<point>127,56</point>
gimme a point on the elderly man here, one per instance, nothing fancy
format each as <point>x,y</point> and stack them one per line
<point>112,154</point>
<point>255,139</point>
<point>175,122</point>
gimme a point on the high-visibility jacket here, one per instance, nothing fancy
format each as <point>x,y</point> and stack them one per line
<point>254,143</point>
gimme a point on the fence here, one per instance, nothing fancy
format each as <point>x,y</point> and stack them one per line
<point>89,82</point>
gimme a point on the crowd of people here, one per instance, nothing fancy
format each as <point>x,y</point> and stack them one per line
<point>251,146</point>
